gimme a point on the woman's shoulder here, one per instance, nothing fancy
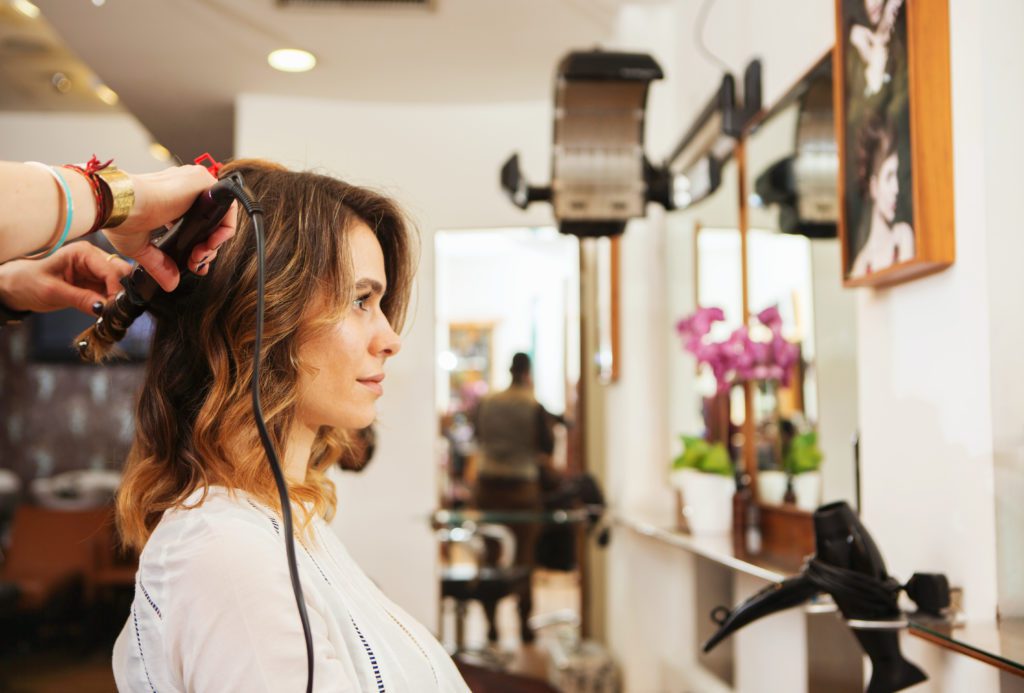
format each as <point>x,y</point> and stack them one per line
<point>206,552</point>
<point>210,523</point>
<point>903,235</point>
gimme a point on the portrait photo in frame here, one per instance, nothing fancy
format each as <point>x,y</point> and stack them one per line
<point>894,133</point>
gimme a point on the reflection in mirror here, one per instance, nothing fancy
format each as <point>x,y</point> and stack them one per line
<point>507,340</point>
<point>703,269</point>
<point>718,273</point>
<point>794,263</point>
<point>501,292</point>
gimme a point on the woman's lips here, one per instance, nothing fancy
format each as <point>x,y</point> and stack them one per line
<point>373,383</point>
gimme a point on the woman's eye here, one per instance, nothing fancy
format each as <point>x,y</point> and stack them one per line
<point>361,302</point>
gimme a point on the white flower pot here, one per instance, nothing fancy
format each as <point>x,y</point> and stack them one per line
<point>676,476</point>
<point>707,500</point>
<point>771,487</point>
<point>807,488</point>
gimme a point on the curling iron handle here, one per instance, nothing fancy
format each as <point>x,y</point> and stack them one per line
<point>198,223</point>
<point>201,219</point>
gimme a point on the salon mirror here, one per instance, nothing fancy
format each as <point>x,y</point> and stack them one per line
<point>794,264</point>
<point>704,268</point>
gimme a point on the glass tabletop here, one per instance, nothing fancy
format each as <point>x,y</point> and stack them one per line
<point>1000,643</point>
<point>450,518</point>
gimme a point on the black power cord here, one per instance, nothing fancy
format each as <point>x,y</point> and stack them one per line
<point>875,598</point>
<point>255,213</point>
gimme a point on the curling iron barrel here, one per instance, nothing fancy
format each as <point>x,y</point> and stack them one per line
<point>201,219</point>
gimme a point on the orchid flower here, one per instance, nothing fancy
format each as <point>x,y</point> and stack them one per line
<point>739,358</point>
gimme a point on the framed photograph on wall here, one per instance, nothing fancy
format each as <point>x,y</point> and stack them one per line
<point>894,131</point>
<point>472,344</point>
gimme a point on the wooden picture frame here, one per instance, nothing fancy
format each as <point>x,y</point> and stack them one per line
<point>892,108</point>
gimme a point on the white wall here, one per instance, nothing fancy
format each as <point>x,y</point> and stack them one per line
<point>1003,151</point>
<point>835,367</point>
<point>939,365</point>
<point>441,162</point>
<point>57,138</point>
<point>945,352</point>
<point>650,589</point>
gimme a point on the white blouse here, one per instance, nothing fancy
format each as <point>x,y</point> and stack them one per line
<point>214,611</point>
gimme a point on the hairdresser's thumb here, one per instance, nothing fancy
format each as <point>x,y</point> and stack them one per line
<point>160,267</point>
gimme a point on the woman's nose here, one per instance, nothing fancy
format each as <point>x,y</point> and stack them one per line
<point>387,343</point>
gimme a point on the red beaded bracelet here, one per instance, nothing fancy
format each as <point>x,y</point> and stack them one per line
<point>89,171</point>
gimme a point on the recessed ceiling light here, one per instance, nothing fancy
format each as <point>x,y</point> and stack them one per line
<point>99,3</point>
<point>61,82</point>
<point>107,95</point>
<point>291,60</point>
<point>159,152</point>
<point>26,8</point>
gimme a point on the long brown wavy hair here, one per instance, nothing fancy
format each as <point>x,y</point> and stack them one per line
<point>194,424</point>
<point>875,142</point>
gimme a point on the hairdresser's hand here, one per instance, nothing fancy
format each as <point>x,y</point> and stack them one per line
<point>79,275</point>
<point>160,199</point>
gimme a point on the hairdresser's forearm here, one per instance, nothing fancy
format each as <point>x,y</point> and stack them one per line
<point>32,206</point>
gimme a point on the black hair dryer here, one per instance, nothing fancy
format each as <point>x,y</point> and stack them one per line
<point>848,566</point>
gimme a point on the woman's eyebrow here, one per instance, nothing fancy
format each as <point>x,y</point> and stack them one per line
<point>371,284</point>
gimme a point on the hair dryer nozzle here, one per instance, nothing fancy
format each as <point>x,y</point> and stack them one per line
<point>776,597</point>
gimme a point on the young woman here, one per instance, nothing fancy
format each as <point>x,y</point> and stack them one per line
<point>889,242</point>
<point>213,608</point>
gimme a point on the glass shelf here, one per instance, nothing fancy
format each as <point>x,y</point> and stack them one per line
<point>719,549</point>
<point>1000,644</point>
<point>455,518</point>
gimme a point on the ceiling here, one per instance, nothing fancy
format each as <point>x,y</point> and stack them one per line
<point>39,73</point>
<point>178,64</point>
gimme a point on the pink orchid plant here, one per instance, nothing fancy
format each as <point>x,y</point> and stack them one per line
<point>739,357</point>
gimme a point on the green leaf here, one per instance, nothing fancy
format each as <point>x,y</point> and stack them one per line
<point>804,454</point>
<point>694,450</point>
<point>717,461</point>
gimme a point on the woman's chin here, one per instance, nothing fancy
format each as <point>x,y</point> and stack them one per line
<point>360,420</point>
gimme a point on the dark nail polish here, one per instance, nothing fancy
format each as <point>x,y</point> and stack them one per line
<point>97,307</point>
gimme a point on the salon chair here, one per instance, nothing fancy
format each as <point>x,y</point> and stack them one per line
<point>81,489</point>
<point>483,580</point>
<point>50,566</point>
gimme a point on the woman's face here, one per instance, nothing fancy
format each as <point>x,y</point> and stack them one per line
<point>885,187</point>
<point>343,365</point>
<point>874,9</point>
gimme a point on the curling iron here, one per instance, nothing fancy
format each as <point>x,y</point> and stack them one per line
<point>140,289</point>
<point>848,566</point>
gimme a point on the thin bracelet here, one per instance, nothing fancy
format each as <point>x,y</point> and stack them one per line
<point>68,204</point>
<point>88,172</point>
